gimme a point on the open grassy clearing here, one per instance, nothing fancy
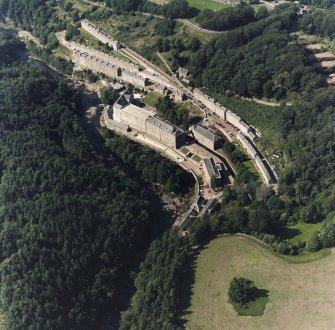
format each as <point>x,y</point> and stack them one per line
<point>301,295</point>
<point>199,4</point>
<point>301,232</point>
<point>252,169</point>
<point>151,99</point>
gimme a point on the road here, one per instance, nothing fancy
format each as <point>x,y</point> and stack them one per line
<point>198,28</point>
<point>185,22</point>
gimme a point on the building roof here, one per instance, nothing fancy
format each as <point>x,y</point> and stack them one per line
<point>164,125</point>
<point>206,132</point>
<point>124,99</point>
<point>117,86</point>
<point>182,71</point>
<point>134,75</point>
<point>128,94</point>
<point>136,112</point>
<point>160,87</point>
<point>212,168</point>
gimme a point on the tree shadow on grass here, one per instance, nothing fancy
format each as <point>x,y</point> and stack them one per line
<point>289,233</point>
<point>256,293</point>
<point>185,289</point>
<point>193,12</point>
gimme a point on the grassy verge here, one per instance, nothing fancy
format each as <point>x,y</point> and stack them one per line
<point>185,151</point>
<point>207,4</point>
<point>301,232</point>
<point>305,258</point>
<point>151,99</point>
<point>196,158</point>
<point>198,4</point>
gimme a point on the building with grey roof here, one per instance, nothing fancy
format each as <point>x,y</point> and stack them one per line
<point>165,132</point>
<point>206,137</point>
<point>145,121</point>
<point>263,170</point>
<point>134,78</point>
<point>247,145</point>
<point>212,172</point>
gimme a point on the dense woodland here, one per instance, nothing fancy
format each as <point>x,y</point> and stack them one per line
<point>261,59</point>
<point>176,115</point>
<point>319,22</point>
<point>319,3</point>
<point>229,18</point>
<point>157,300</point>
<point>72,225</point>
<point>149,164</point>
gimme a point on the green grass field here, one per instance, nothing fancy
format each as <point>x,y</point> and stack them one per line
<point>206,4</point>
<point>196,158</point>
<point>301,232</point>
<point>301,295</point>
<point>199,4</point>
<point>151,99</point>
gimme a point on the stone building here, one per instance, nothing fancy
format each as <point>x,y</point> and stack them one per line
<point>179,96</point>
<point>251,150</point>
<point>212,172</point>
<point>165,132</point>
<point>263,170</point>
<point>161,89</point>
<point>133,78</point>
<point>100,35</point>
<point>73,46</point>
<point>94,63</point>
<point>131,115</point>
<point>224,113</point>
<point>206,137</point>
<point>145,121</point>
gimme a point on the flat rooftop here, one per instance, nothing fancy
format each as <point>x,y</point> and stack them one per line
<point>136,112</point>
<point>212,167</point>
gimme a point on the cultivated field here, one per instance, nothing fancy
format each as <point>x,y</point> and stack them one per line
<point>301,295</point>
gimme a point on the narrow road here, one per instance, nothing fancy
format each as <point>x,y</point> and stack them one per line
<point>185,22</point>
<point>197,27</point>
<point>99,4</point>
<point>163,60</point>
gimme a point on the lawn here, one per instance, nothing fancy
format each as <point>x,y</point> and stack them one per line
<point>151,99</point>
<point>206,4</point>
<point>252,169</point>
<point>185,151</point>
<point>300,295</point>
<point>196,158</point>
<point>301,232</point>
<point>199,4</point>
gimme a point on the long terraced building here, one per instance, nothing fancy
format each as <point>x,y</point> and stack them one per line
<point>100,35</point>
<point>224,113</point>
<point>144,121</point>
<point>109,65</point>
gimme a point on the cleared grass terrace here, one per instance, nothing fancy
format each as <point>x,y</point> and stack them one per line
<point>301,293</point>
